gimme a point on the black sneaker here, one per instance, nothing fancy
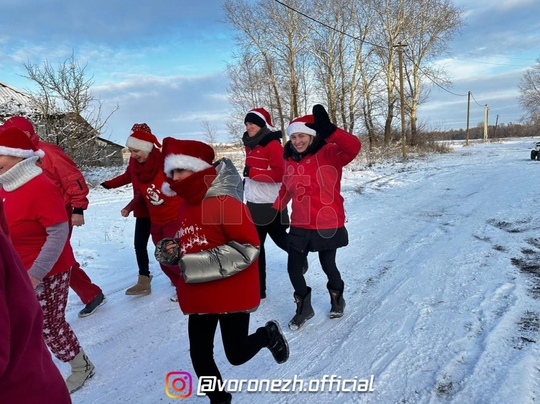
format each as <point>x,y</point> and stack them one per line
<point>278,345</point>
<point>89,309</point>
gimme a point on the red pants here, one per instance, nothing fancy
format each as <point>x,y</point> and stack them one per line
<point>82,285</point>
<point>80,282</point>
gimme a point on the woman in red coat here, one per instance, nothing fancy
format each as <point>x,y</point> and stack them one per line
<point>142,222</point>
<point>315,156</point>
<point>146,171</point>
<point>215,238</point>
<point>263,172</point>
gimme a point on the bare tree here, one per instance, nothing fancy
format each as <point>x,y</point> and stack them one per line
<point>339,52</point>
<point>210,132</point>
<point>277,35</point>
<point>529,98</point>
<point>429,27</point>
<point>71,114</point>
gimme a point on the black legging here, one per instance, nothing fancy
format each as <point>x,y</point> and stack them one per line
<point>141,237</point>
<point>238,345</point>
<point>278,233</point>
<point>327,258</point>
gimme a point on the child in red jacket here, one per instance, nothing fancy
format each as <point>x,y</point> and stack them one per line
<point>216,245</point>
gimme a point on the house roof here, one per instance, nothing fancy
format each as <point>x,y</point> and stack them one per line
<point>111,143</point>
<point>14,101</point>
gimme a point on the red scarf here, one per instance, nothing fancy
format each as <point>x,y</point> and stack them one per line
<point>194,188</point>
<point>148,170</point>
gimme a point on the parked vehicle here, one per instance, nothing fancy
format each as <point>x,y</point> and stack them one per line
<point>535,154</point>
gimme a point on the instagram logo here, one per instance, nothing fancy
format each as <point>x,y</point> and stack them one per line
<point>178,384</point>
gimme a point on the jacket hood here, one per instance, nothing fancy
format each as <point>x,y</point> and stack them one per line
<point>227,182</point>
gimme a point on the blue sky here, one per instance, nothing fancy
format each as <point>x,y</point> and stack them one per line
<point>163,61</point>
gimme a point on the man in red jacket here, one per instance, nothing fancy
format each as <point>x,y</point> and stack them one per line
<point>59,167</point>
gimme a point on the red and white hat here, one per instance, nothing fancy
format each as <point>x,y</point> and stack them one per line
<point>142,140</point>
<point>15,142</point>
<point>189,155</point>
<point>20,122</point>
<point>141,126</point>
<point>298,125</point>
<point>260,117</point>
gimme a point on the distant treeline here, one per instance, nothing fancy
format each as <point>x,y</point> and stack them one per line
<point>494,132</point>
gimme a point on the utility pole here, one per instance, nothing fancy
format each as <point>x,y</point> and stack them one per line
<point>468,116</point>
<point>402,100</point>
<point>486,122</point>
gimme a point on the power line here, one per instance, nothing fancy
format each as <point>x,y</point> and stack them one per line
<point>375,45</point>
<point>330,27</point>
<point>475,100</point>
<point>362,40</point>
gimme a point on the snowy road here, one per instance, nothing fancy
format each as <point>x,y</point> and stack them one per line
<point>442,278</point>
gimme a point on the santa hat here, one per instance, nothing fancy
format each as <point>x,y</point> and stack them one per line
<point>15,142</point>
<point>20,122</point>
<point>189,155</point>
<point>260,117</point>
<point>142,140</point>
<point>141,126</point>
<point>298,125</point>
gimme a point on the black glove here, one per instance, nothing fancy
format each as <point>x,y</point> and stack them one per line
<point>246,171</point>
<point>105,186</point>
<point>322,124</point>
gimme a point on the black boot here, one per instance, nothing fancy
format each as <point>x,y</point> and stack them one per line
<point>278,344</point>
<point>336,301</point>
<point>304,311</point>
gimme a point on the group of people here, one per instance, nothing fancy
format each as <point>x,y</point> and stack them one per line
<point>209,226</point>
<point>306,173</point>
<point>40,205</point>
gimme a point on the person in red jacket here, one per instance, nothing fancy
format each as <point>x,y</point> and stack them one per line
<point>263,172</point>
<point>61,169</point>
<point>146,166</point>
<point>142,222</point>
<point>25,360</point>
<point>38,228</point>
<point>315,156</point>
<point>215,239</point>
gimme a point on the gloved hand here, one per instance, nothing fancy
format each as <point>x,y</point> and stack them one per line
<point>105,185</point>
<point>167,251</point>
<point>246,171</point>
<point>322,124</point>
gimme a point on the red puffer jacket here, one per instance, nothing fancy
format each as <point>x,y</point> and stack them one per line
<point>314,183</point>
<point>60,168</point>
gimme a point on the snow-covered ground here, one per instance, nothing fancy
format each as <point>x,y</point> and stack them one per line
<point>442,278</point>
